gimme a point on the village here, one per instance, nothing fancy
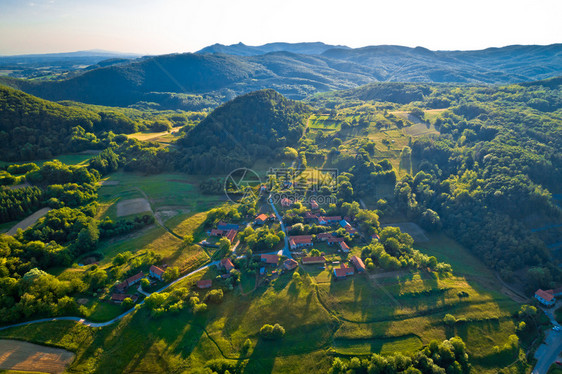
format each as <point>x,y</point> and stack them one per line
<point>331,247</point>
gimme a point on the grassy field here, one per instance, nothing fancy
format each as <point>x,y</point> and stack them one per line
<point>163,190</point>
<point>69,159</point>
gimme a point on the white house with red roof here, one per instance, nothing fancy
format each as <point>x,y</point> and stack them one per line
<point>155,272</point>
<point>343,271</point>
<point>545,298</point>
<point>300,241</point>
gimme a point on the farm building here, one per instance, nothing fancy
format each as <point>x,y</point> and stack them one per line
<point>155,272</point>
<point>121,287</point>
<point>118,298</point>
<point>334,240</point>
<point>231,235</point>
<point>217,232</point>
<point>270,259</point>
<point>290,264</point>
<point>226,264</point>
<point>227,226</point>
<point>205,283</point>
<point>328,220</point>
<point>324,236</point>
<point>313,260</point>
<point>359,265</point>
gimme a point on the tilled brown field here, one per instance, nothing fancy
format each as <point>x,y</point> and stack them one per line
<point>24,356</point>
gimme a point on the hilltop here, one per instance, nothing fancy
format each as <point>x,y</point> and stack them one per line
<point>258,124</point>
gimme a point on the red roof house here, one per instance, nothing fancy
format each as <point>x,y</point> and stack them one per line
<point>156,272</point>
<point>120,297</point>
<point>313,205</point>
<point>226,264</point>
<point>545,298</point>
<point>285,202</point>
<point>344,247</point>
<point>343,271</point>
<point>299,241</point>
<point>261,219</point>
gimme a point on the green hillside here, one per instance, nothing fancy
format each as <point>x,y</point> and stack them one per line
<point>33,128</point>
<point>259,124</point>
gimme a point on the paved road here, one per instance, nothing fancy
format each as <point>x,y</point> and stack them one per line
<point>107,323</point>
<point>285,251</point>
<point>549,351</point>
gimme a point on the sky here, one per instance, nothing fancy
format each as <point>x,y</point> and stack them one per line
<point>170,26</point>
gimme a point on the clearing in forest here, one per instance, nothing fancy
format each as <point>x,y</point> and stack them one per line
<point>132,206</point>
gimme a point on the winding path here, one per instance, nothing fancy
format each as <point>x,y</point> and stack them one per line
<point>285,251</point>
<point>107,323</point>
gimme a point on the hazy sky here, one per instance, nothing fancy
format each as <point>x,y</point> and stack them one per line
<point>163,26</point>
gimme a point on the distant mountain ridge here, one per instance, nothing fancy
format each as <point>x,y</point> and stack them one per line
<point>242,49</point>
<point>164,79</point>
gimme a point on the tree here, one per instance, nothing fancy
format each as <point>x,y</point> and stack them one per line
<point>214,296</point>
<point>224,244</point>
<point>145,283</point>
<point>272,332</point>
<point>127,303</point>
<point>88,237</point>
<point>314,253</point>
<point>188,239</point>
<point>171,273</point>
<point>449,319</point>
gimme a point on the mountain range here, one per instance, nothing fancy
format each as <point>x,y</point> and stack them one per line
<point>295,70</point>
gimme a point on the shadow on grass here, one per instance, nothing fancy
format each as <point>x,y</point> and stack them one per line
<point>263,357</point>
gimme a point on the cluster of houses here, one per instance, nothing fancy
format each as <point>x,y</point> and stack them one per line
<point>268,259</point>
<point>345,271</point>
<point>303,241</point>
<point>119,296</point>
<point>339,273</point>
<point>228,230</point>
<point>548,297</point>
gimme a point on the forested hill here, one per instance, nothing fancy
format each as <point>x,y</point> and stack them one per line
<point>296,75</point>
<point>33,128</point>
<point>258,124</point>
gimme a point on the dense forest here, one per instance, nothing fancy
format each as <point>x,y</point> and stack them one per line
<point>487,179</point>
